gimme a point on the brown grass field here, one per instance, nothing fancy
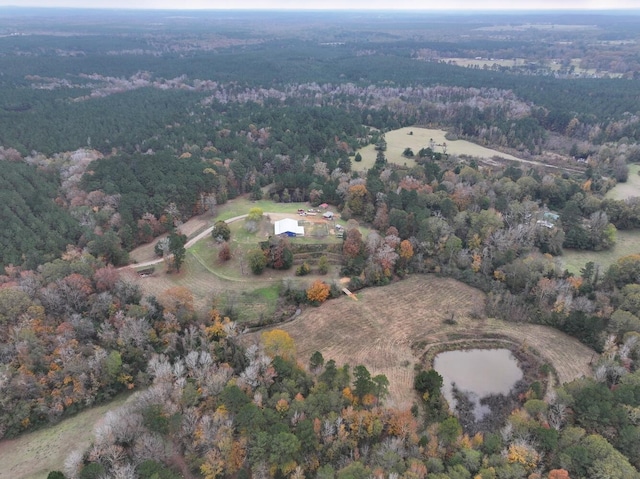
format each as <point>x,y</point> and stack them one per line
<point>387,328</point>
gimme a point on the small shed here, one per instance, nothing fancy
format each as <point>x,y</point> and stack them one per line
<point>324,206</point>
<point>288,227</point>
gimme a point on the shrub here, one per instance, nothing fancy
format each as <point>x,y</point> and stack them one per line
<point>318,292</point>
<point>323,265</point>
<point>257,260</point>
<point>225,252</point>
<point>303,270</point>
<point>161,247</point>
<point>93,470</point>
<point>221,231</point>
<point>153,469</point>
<point>355,283</point>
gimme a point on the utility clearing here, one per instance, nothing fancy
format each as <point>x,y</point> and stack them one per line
<point>35,454</point>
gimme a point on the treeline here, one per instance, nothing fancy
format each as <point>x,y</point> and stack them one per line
<point>147,185</point>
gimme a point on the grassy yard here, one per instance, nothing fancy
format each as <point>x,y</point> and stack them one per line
<point>417,138</point>
<point>236,207</point>
<point>628,189</point>
<point>627,242</point>
<point>34,455</point>
<point>231,284</point>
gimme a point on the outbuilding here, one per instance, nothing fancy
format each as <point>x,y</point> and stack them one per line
<point>288,227</point>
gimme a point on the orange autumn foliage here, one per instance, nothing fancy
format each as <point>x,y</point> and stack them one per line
<point>318,292</point>
<point>177,298</point>
<point>403,425</point>
<point>406,250</point>
<point>558,474</point>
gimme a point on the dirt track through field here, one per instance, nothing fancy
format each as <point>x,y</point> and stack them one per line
<point>380,329</point>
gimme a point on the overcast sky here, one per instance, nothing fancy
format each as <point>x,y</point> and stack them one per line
<point>337,4</point>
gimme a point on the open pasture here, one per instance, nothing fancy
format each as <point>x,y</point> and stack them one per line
<point>388,328</point>
<point>486,62</point>
<point>417,138</point>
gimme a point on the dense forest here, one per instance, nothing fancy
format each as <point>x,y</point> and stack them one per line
<point>113,138</point>
<point>35,228</point>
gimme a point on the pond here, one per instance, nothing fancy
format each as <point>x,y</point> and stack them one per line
<point>478,373</point>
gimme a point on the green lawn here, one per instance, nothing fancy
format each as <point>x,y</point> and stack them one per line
<point>231,282</point>
<point>241,206</point>
<point>628,242</point>
<point>628,189</point>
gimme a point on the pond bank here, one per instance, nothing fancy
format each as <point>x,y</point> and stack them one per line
<point>537,376</point>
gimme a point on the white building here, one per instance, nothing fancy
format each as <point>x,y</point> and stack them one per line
<point>288,227</point>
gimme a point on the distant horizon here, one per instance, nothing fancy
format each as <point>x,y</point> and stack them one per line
<point>453,6</point>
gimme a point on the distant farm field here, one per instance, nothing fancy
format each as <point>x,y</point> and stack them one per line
<point>417,138</point>
<point>486,62</point>
<point>387,328</point>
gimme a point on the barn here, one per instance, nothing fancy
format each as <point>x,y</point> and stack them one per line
<point>288,227</point>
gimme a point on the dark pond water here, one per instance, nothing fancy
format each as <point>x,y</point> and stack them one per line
<point>478,373</point>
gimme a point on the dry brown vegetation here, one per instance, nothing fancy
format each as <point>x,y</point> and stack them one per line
<point>388,328</point>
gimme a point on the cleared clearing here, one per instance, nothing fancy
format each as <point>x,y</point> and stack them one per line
<point>398,140</point>
<point>382,329</point>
